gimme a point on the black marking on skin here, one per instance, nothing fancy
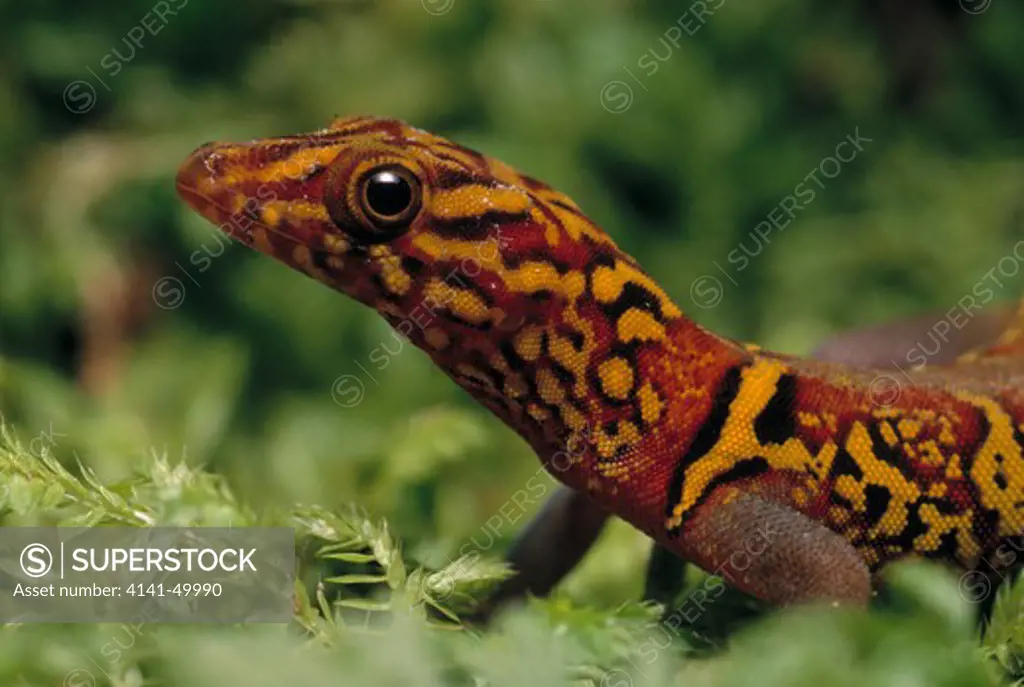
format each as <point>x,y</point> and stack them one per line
<point>563,374</point>
<point>986,525</point>
<point>541,296</point>
<point>360,251</point>
<point>472,154</point>
<point>985,521</point>
<point>876,502</point>
<point>777,423</point>
<point>601,257</point>
<point>452,160</point>
<point>388,126</point>
<point>393,128</point>
<point>707,436</point>
<point>890,455</point>
<point>449,179</point>
<point>634,295</point>
<point>496,376</point>
<point>747,468</point>
<point>532,183</point>
<point>412,266</point>
<point>283,149</point>
<point>558,202</point>
<point>454,279</point>
<point>319,258</point>
<point>549,214</point>
<point>839,500</point>
<point>445,313</point>
<point>327,137</point>
<point>576,338</point>
<point>844,464</point>
<point>904,541</point>
<point>947,548</point>
<point>312,173</point>
<point>515,362</point>
<point>476,227</point>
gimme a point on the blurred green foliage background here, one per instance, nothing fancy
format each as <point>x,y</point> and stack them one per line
<point>118,339</point>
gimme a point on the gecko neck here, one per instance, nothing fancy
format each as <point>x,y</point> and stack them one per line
<point>600,392</point>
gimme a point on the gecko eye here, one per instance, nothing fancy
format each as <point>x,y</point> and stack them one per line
<point>389,196</point>
<point>379,206</point>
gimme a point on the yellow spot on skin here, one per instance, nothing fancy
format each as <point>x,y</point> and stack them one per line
<point>888,433</point>
<point>639,325</point>
<point>262,243</point>
<point>436,338</point>
<point>472,200</point>
<point>549,388</point>
<point>461,302</point>
<point>608,446</point>
<point>573,418</point>
<point>650,404</point>
<point>909,429</point>
<point>876,471</point>
<point>335,244</point>
<point>939,524</point>
<point>294,167</point>
<point>946,435</point>
<point>930,454</point>
<point>838,515</point>
<point>537,412</point>
<point>335,263</point>
<point>998,468</point>
<point>301,256</point>
<point>296,212</point>
<point>808,419</point>
<point>395,279</point>
<point>616,377</point>
<point>270,215</point>
<point>551,233</point>
<point>527,343</point>
<point>534,276</point>
<point>953,470</point>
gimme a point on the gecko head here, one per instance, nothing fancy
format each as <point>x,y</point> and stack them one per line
<point>499,278</point>
<point>441,240</point>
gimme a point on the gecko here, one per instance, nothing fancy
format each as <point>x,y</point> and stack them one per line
<point>709,446</point>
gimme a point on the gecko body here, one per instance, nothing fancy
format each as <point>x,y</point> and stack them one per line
<point>702,443</point>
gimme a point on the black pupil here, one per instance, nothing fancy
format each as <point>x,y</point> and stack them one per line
<point>388,194</point>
